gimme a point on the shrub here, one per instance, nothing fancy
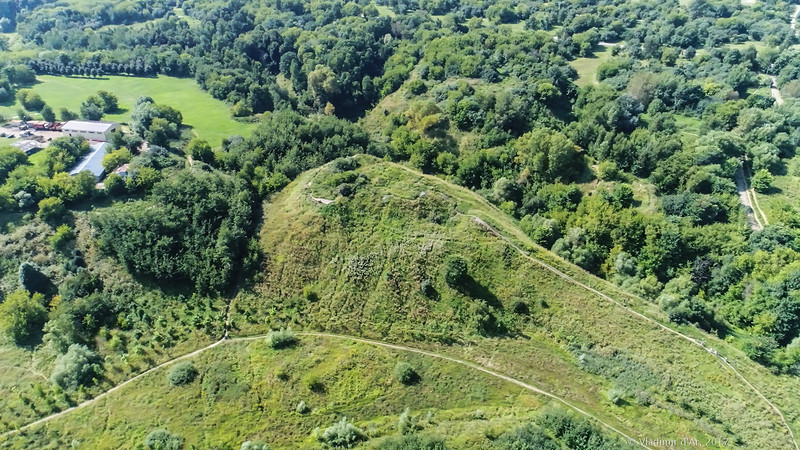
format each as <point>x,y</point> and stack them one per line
<point>254,445</point>
<point>282,338</point>
<point>314,384</point>
<point>51,209</point>
<point>413,442</point>
<point>520,307</point>
<point>60,238</point>
<point>406,424</point>
<point>162,439</point>
<point>526,437</point>
<point>22,315</point>
<point>345,164</point>
<point>114,184</point>
<point>615,396</point>
<point>342,435</point>
<point>76,367</point>
<point>32,279</point>
<point>455,271</point>
<point>404,373</point>
<point>607,171</point>
<point>310,294</point>
<point>762,181</point>
<point>426,288</point>
<point>302,408</point>
<point>182,374</point>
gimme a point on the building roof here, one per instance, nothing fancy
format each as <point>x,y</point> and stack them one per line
<point>93,161</point>
<point>88,125</point>
<point>28,146</point>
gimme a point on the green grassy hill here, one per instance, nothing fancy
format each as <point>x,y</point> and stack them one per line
<point>360,265</point>
<point>361,247</point>
<point>247,391</point>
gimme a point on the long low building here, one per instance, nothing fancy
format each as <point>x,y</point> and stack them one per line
<point>93,161</point>
<point>91,130</point>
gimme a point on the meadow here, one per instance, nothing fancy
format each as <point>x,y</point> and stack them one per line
<point>587,66</point>
<point>361,266</point>
<point>209,118</point>
<point>250,391</point>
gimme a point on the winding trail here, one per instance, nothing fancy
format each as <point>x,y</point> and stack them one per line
<point>403,348</point>
<point>723,361</point>
<point>745,200</point>
<point>773,88</point>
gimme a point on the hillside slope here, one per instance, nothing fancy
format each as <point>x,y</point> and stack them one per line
<point>247,391</point>
<point>371,263</point>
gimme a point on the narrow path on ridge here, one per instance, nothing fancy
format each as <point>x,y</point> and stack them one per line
<point>723,361</point>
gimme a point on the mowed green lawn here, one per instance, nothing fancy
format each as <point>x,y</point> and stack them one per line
<point>587,67</point>
<point>210,118</point>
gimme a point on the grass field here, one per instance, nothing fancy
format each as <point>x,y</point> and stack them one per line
<point>587,67</point>
<point>209,117</point>
<point>784,197</point>
<point>364,259</point>
<point>360,266</point>
<point>248,391</point>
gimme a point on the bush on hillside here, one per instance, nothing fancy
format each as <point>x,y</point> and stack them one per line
<point>413,442</point>
<point>526,437</point>
<point>51,209</point>
<point>33,280</point>
<point>76,367</point>
<point>455,271</point>
<point>254,445</point>
<point>182,374</point>
<point>342,435</point>
<point>22,315</point>
<point>762,181</point>
<point>162,439</point>
<point>282,338</point>
<point>404,373</point>
<point>302,408</point>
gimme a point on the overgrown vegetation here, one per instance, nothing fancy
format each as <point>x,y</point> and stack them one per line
<point>632,177</point>
<point>182,373</point>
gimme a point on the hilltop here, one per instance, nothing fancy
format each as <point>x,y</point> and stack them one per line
<point>361,247</point>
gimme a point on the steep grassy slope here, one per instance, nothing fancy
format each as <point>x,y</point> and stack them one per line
<point>248,391</point>
<point>360,265</point>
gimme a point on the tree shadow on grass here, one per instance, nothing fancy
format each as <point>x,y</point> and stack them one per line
<point>472,288</point>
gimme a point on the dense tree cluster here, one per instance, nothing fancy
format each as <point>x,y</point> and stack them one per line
<point>194,226</point>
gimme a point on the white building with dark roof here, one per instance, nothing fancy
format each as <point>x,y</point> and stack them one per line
<point>89,129</point>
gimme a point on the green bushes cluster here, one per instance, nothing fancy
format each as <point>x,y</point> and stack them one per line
<point>342,435</point>
<point>77,367</point>
<point>162,439</point>
<point>404,373</point>
<point>182,373</point>
<point>283,338</point>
